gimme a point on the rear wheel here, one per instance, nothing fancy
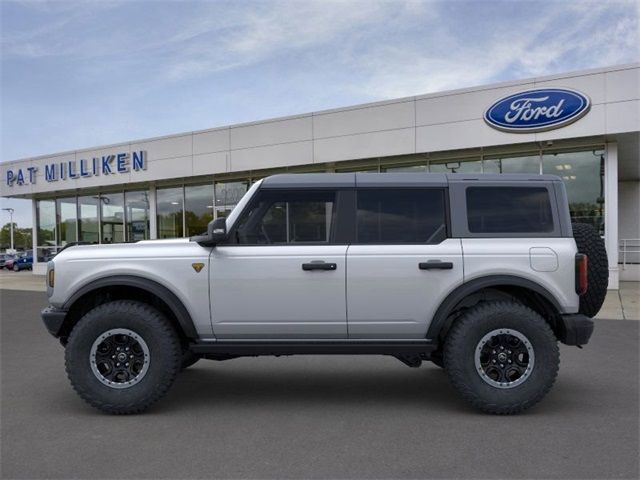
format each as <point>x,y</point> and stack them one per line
<point>502,357</point>
<point>122,356</point>
<point>16,268</point>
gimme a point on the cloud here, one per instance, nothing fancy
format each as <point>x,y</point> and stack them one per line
<point>101,72</point>
<point>557,39</point>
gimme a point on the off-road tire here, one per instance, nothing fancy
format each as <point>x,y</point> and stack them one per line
<point>589,242</point>
<point>463,339</point>
<point>164,351</point>
<point>188,359</point>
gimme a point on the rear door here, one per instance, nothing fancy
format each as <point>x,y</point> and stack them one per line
<point>402,263</point>
<point>283,274</point>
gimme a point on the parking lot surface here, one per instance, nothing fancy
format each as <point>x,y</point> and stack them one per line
<point>315,417</point>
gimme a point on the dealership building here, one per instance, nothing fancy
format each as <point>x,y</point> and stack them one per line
<point>582,126</point>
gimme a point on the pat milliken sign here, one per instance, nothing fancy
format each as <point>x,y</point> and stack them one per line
<point>115,164</point>
<point>537,110</point>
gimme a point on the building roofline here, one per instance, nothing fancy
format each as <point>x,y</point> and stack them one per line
<point>445,93</point>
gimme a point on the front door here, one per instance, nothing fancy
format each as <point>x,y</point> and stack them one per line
<point>281,275</point>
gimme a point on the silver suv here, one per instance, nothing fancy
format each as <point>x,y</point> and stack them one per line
<point>480,274</point>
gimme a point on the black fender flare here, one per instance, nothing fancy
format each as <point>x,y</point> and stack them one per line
<point>459,293</point>
<point>167,296</point>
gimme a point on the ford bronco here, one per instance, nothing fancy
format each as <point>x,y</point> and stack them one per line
<point>482,275</point>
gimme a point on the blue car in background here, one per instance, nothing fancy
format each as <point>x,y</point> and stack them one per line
<point>23,262</point>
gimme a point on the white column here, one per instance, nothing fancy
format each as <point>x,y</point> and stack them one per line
<point>611,212</point>
<point>38,268</point>
<point>153,226</point>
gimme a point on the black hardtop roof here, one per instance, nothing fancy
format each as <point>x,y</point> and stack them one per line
<point>395,179</point>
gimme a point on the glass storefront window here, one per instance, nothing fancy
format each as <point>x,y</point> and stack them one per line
<point>137,215</point>
<point>88,227</point>
<point>407,168</point>
<point>169,205</point>
<point>456,166</point>
<point>583,175</point>
<point>67,220</point>
<point>228,194</point>
<point>112,217</point>
<point>198,208</point>
<point>46,223</point>
<point>526,164</point>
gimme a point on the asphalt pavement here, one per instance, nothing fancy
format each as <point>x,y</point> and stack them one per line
<point>315,417</point>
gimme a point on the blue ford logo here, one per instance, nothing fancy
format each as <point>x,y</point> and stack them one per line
<point>537,110</point>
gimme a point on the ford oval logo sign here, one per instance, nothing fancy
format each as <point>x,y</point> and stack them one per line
<point>537,110</point>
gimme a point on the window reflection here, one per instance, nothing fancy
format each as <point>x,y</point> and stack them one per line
<point>473,166</point>
<point>46,223</point>
<point>228,194</point>
<point>407,168</point>
<point>88,219</point>
<point>198,208</point>
<point>67,220</point>
<point>169,203</point>
<point>137,215</point>
<point>112,217</point>
<point>527,164</point>
<point>583,175</point>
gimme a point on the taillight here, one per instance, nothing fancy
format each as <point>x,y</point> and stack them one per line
<point>582,282</point>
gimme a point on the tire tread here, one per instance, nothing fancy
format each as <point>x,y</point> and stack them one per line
<point>454,350</point>
<point>162,326</point>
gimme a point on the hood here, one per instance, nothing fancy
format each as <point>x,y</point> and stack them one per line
<point>175,247</point>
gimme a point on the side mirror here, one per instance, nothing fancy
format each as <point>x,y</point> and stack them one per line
<point>217,230</point>
<point>216,233</point>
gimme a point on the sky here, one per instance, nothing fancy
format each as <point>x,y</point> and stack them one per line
<point>81,74</point>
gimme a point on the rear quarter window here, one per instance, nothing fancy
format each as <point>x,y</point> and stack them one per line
<point>509,210</point>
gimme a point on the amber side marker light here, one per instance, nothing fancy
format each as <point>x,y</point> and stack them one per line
<point>51,277</point>
<point>582,281</point>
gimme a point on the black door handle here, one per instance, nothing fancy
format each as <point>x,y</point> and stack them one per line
<point>319,266</point>
<point>435,265</point>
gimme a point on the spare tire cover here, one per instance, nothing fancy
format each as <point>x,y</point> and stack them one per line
<point>589,242</point>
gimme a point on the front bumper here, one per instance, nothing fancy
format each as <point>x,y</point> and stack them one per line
<point>53,319</point>
<point>575,329</point>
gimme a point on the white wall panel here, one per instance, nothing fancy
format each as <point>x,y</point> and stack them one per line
<point>623,85</point>
<point>271,133</point>
<point>212,141</point>
<point>272,156</point>
<point>592,85</point>
<point>461,107</point>
<point>209,163</point>
<point>166,168</point>
<point>171,147</point>
<point>593,123</point>
<point>369,119</point>
<point>367,145</point>
<point>469,134</point>
<point>623,117</point>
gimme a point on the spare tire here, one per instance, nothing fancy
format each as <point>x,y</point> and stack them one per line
<point>590,243</point>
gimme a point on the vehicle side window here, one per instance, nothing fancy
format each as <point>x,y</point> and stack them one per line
<point>288,217</point>
<point>509,210</point>
<point>401,216</point>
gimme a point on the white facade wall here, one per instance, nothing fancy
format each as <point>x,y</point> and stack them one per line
<point>429,123</point>
<point>438,122</point>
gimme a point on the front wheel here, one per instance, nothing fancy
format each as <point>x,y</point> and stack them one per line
<point>123,356</point>
<point>502,357</point>
<point>16,268</point>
